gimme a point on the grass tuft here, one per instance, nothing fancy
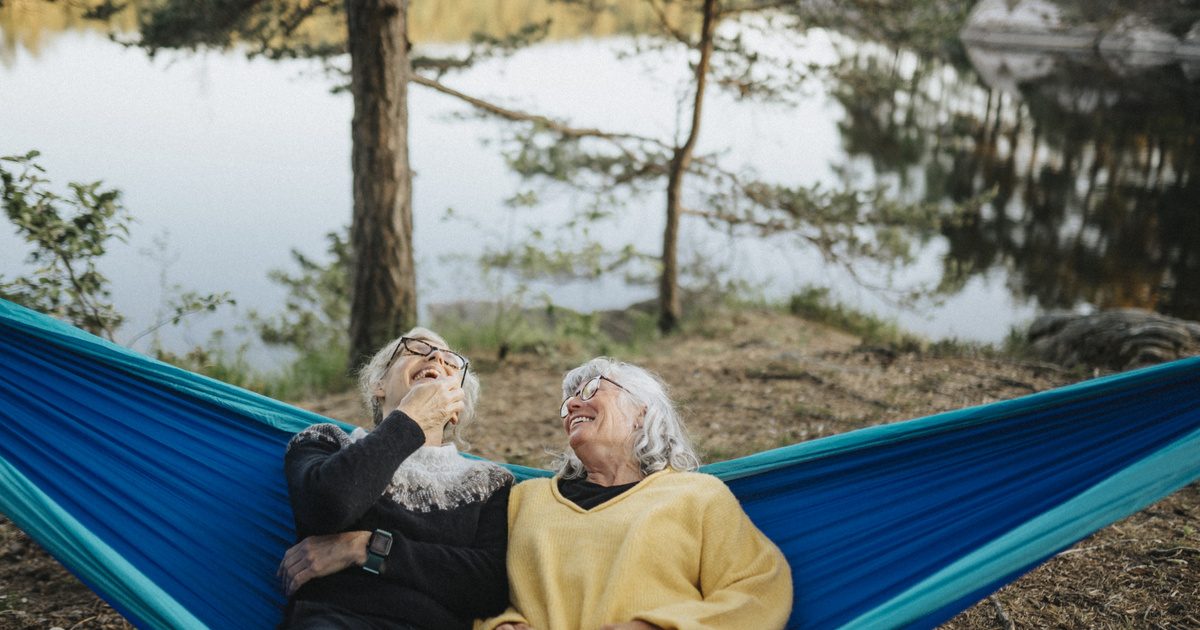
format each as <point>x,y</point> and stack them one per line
<point>496,331</point>
<point>814,304</point>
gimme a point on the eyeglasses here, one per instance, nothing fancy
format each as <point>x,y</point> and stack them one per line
<point>586,392</point>
<point>418,347</point>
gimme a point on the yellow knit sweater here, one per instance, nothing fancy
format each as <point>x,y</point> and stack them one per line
<point>676,550</point>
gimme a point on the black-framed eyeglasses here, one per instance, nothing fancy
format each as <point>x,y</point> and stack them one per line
<point>419,347</point>
<point>586,392</point>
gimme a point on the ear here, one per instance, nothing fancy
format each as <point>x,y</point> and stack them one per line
<point>641,418</point>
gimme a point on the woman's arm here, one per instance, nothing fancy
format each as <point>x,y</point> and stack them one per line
<point>318,556</point>
<point>333,482</point>
<point>469,579</point>
<point>744,578</point>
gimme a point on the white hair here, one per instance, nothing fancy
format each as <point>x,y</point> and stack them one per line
<point>659,442</point>
<point>373,373</point>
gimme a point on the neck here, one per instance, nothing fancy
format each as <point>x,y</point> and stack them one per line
<point>434,438</point>
<point>613,472</point>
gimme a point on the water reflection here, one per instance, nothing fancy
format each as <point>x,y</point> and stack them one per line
<point>1094,169</point>
<point>33,25</point>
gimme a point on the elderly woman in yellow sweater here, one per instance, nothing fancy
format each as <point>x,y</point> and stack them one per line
<point>627,535</point>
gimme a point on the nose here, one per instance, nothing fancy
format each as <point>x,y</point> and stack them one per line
<point>439,356</point>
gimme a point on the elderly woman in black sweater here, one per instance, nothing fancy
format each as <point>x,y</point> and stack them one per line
<point>399,530</point>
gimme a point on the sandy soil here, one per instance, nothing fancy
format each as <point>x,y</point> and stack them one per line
<point>758,380</point>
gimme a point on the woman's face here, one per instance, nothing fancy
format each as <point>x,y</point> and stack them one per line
<point>409,369</point>
<point>603,423</point>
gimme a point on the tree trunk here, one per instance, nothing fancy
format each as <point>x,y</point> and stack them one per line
<point>384,298</point>
<point>670,307</point>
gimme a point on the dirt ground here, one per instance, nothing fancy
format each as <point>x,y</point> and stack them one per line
<point>756,381</point>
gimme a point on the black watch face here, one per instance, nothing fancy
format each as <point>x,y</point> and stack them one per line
<point>379,545</point>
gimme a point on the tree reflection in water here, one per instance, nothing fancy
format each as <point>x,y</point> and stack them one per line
<point>1093,170</point>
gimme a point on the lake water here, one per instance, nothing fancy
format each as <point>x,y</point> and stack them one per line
<point>234,162</point>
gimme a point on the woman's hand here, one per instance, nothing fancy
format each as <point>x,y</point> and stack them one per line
<point>318,556</point>
<point>434,403</point>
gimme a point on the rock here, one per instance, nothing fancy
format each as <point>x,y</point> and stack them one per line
<point>1136,34</point>
<point>1134,42</point>
<point>1006,69</point>
<point>1131,43</point>
<point>1037,24</point>
<point>1119,339</point>
<point>1190,46</point>
<point>1026,15</point>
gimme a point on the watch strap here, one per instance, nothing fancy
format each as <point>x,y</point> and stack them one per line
<point>379,545</point>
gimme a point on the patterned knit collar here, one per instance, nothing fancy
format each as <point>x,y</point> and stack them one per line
<point>439,478</point>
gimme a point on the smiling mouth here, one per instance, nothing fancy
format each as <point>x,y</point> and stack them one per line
<point>578,420</point>
<point>424,374</point>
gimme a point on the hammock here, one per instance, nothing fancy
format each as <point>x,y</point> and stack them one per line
<point>163,490</point>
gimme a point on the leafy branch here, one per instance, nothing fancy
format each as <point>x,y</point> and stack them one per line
<point>189,303</point>
<point>68,234</point>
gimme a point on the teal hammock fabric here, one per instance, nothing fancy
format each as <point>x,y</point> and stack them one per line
<point>163,491</point>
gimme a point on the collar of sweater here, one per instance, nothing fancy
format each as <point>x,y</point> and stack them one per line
<point>641,485</point>
<point>439,478</point>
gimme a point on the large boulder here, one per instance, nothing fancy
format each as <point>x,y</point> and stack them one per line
<point>1189,47</point>
<point>1133,43</point>
<point>1119,339</point>
<point>1189,52</point>
<point>1136,34</point>
<point>1038,24</point>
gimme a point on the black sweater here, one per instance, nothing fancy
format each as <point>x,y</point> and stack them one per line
<point>588,495</point>
<point>446,566</point>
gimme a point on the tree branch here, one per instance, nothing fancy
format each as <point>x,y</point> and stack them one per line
<point>707,31</point>
<point>100,321</point>
<point>661,12</point>
<point>560,128</point>
<point>766,227</point>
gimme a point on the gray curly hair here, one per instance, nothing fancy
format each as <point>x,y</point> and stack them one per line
<point>661,441</point>
<point>373,373</point>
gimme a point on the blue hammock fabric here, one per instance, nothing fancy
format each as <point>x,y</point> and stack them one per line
<point>163,490</point>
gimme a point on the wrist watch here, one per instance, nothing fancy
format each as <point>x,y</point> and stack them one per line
<point>378,547</point>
